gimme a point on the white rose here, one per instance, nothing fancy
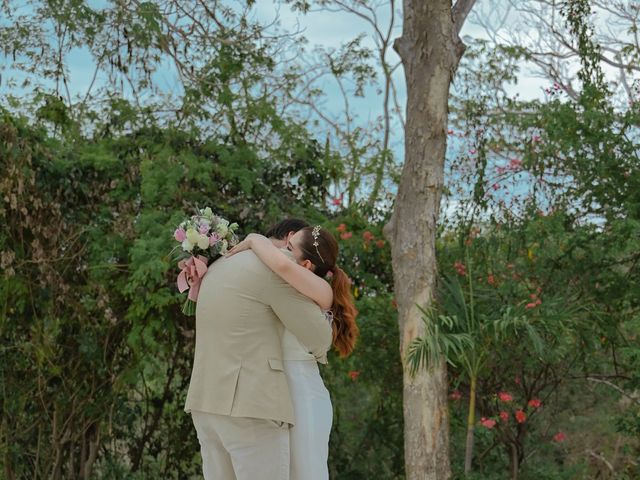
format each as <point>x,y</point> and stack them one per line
<point>187,246</point>
<point>193,236</point>
<point>223,228</point>
<point>208,213</point>
<point>203,242</point>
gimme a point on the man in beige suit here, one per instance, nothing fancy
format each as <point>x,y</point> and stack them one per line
<point>238,396</point>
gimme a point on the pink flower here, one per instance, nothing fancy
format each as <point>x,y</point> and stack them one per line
<point>460,268</point>
<point>213,239</point>
<point>341,228</point>
<point>487,422</point>
<point>180,235</point>
<point>535,403</point>
<point>529,306</point>
<point>535,138</point>
<point>450,132</point>
<point>521,416</point>
<point>472,151</point>
<point>455,395</point>
<point>354,374</point>
<point>504,416</point>
<point>337,201</point>
<point>491,280</point>
<point>559,437</point>
<point>380,243</point>
<point>203,228</point>
<point>505,397</point>
<point>515,163</point>
<point>368,236</point>
<point>346,235</point>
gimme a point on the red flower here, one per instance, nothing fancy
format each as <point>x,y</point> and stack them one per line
<point>491,280</point>
<point>530,305</point>
<point>559,437</point>
<point>455,395</point>
<point>521,416</point>
<point>354,374</point>
<point>505,397</point>
<point>368,236</point>
<point>346,235</point>
<point>535,403</point>
<point>460,268</point>
<point>342,227</point>
<point>450,132</point>
<point>380,243</point>
<point>337,201</point>
<point>515,163</point>
<point>504,416</point>
<point>487,422</point>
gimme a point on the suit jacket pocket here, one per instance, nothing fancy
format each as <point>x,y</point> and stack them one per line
<point>276,364</point>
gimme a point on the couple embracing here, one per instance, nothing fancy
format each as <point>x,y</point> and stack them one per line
<point>265,317</point>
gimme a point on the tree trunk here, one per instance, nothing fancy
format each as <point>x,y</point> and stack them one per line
<point>430,50</point>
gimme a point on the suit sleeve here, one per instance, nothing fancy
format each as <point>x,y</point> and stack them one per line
<point>301,317</point>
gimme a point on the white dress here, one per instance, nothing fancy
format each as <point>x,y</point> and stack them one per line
<point>309,437</point>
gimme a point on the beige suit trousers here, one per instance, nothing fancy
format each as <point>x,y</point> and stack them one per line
<point>240,448</point>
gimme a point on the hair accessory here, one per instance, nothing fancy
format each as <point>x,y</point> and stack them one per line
<point>315,233</point>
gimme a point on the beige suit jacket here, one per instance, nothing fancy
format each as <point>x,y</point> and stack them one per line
<point>242,310</point>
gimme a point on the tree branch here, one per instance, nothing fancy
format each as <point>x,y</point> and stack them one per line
<point>460,11</point>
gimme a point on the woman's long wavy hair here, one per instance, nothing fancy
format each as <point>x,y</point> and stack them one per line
<point>323,258</point>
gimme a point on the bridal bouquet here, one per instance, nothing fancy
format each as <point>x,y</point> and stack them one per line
<point>203,238</point>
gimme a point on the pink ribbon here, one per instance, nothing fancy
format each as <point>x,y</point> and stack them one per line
<point>193,269</point>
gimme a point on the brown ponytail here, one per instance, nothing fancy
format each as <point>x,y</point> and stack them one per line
<point>345,329</point>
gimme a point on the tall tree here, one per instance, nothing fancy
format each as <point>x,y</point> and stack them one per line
<point>430,49</point>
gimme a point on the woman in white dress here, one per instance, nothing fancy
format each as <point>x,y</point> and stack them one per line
<point>315,252</point>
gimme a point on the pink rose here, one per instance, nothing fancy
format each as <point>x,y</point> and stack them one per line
<point>535,403</point>
<point>203,229</point>
<point>180,235</point>
<point>559,437</point>
<point>487,422</point>
<point>505,397</point>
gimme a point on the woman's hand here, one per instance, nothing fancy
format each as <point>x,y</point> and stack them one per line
<point>245,244</point>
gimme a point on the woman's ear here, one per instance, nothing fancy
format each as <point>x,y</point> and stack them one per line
<point>307,264</point>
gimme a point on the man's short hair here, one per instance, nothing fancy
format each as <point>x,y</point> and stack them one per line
<point>281,229</point>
